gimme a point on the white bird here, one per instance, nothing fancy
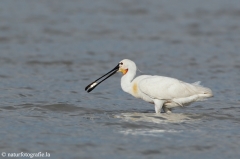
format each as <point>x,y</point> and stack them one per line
<point>164,92</point>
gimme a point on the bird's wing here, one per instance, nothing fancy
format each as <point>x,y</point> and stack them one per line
<point>159,87</point>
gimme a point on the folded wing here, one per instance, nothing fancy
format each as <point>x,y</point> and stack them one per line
<point>159,87</point>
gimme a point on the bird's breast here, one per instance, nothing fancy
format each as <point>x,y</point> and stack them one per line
<point>135,89</point>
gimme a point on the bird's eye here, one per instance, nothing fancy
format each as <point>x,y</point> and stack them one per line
<point>121,63</point>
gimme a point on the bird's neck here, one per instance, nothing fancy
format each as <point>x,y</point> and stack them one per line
<point>126,80</point>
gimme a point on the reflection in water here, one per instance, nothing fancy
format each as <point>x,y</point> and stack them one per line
<point>148,132</point>
<point>154,118</point>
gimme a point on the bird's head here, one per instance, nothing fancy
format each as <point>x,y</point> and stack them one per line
<point>125,65</point>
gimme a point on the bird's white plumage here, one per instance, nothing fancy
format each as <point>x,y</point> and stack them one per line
<point>169,88</point>
<point>164,92</point>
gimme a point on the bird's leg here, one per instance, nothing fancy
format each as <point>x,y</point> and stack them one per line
<point>158,105</point>
<point>167,110</point>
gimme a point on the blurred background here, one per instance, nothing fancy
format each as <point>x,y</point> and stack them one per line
<point>50,50</point>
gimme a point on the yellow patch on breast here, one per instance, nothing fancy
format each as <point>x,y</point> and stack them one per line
<point>135,88</point>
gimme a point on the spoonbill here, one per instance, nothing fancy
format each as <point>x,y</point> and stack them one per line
<point>164,92</point>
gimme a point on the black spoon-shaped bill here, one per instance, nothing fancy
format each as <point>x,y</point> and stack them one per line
<point>94,84</point>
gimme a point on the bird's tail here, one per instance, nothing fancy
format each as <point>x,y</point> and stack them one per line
<point>203,91</point>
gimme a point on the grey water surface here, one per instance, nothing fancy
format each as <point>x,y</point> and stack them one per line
<point>50,50</point>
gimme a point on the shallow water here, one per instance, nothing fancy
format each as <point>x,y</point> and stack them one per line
<point>50,50</point>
